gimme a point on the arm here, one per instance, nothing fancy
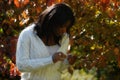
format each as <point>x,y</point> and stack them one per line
<point>23,61</point>
<point>64,44</point>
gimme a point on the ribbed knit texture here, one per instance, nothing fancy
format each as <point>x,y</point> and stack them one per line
<point>33,58</point>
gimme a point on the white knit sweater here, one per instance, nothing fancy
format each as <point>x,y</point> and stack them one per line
<point>33,59</point>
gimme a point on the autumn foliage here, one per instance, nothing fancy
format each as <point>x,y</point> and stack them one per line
<point>96,34</point>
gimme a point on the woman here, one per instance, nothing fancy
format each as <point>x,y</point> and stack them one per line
<point>42,47</point>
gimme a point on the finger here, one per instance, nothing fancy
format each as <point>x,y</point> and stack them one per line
<point>62,54</point>
<point>62,59</point>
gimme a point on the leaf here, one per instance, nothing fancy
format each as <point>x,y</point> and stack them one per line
<point>21,3</point>
<point>116,51</point>
<point>96,1</point>
<point>13,42</point>
<point>105,1</point>
<point>26,2</point>
<point>23,21</point>
<point>117,4</point>
<point>24,14</point>
<point>104,4</point>
<point>118,60</point>
<point>17,4</point>
<point>38,9</point>
<point>50,2</point>
<point>111,13</point>
<point>59,1</point>
<point>1,30</point>
<point>93,47</point>
<point>14,70</point>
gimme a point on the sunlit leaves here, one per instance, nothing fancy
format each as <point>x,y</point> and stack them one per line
<point>10,12</point>
<point>105,2</point>
<point>20,3</point>
<point>111,13</point>
<point>98,45</point>
<point>1,30</point>
<point>50,2</point>
<point>24,18</point>
<point>79,75</point>
<point>116,51</point>
<point>13,70</point>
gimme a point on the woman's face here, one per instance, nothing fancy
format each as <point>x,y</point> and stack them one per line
<point>63,29</point>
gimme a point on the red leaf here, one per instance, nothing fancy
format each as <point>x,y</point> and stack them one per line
<point>96,1</point>
<point>14,70</point>
<point>105,1</point>
<point>118,59</point>
<point>50,2</point>
<point>117,4</point>
<point>13,43</point>
<point>104,4</point>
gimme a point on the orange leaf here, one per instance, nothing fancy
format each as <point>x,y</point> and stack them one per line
<point>21,3</point>
<point>17,3</point>
<point>50,2</point>
<point>59,1</point>
<point>111,13</point>
<point>116,51</point>
<point>24,14</point>
<point>38,9</point>
<point>26,2</point>
<point>14,70</point>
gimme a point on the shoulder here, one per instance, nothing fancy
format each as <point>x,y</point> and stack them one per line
<point>28,31</point>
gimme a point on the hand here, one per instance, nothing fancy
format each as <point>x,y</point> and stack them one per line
<point>71,59</point>
<point>58,56</point>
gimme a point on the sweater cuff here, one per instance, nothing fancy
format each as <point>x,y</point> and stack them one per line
<point>50,59</point>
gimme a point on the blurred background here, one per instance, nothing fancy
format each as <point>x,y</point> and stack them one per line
<point>96,37</point>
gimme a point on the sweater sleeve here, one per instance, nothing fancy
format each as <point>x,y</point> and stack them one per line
<point>64,48</point>
<point>23,61</point>
<point>64,44</point>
